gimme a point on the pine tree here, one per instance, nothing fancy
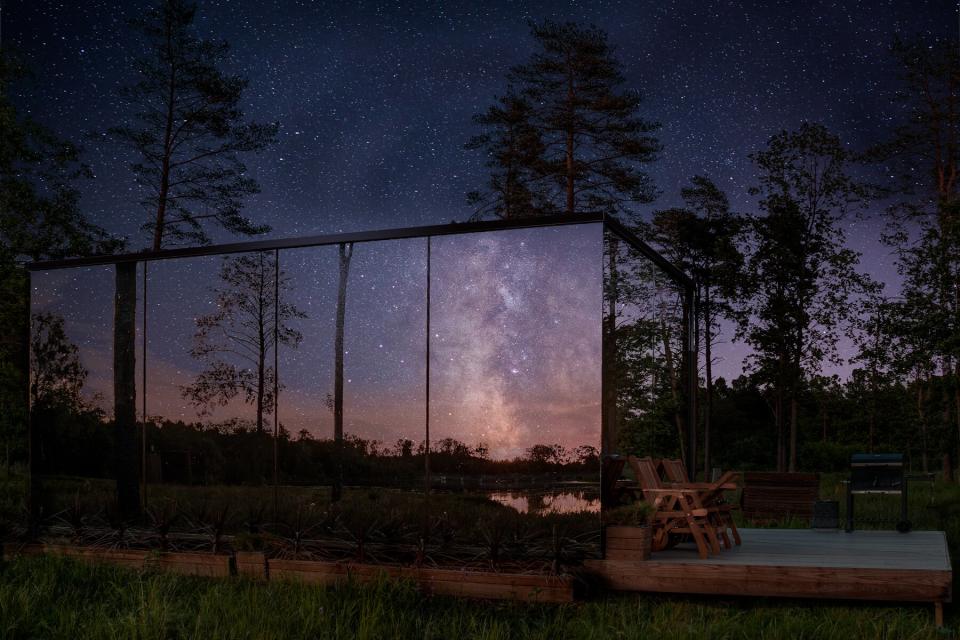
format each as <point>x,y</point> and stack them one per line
<point>189,132</point>
<point>514,150</point>
<point>567,138</point>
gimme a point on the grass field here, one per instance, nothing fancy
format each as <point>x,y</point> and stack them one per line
<point>56,598</point>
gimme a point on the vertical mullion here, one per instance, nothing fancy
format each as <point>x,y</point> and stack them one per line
<point>143,391</point>
<point>426,450</point>
<point>276,379</point>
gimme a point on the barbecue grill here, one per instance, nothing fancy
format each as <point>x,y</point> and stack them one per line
<point>877,474</point>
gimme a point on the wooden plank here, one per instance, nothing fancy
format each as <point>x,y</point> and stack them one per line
<point>251,564</point>
<point>478,584</point>
<point>796,582</point>
<point>193,564</point>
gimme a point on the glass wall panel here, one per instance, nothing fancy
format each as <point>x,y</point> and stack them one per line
<point>210,395</point>
<point>85,438</point>
<point>645,403</point>
<point>359,495</point>
<point>515,395</point>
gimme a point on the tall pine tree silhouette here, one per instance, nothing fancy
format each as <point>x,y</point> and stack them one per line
<point>567,138</point>
<point>189,132</point>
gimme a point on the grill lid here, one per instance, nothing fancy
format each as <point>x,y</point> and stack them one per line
<point>878,459</point>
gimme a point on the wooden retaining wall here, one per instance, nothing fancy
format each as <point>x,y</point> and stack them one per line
<point>254,565</point>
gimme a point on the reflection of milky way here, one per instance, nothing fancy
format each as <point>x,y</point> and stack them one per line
<point>515,340</point>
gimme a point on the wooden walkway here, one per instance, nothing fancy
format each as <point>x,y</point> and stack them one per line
<point>799,563</point>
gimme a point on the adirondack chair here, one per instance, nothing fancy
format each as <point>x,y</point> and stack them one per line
<point>713,497</point>
<point>677,510</point>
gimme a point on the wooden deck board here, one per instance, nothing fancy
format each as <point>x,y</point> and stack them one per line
<point>920,550</point>
<point>870,565</point>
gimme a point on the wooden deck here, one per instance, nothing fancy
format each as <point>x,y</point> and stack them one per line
<point>799,563</point>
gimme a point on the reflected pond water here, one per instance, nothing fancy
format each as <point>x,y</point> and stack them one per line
<point>551,502</point>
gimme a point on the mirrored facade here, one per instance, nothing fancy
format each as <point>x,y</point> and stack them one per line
<point>647,358</point>
<point>456,398</point>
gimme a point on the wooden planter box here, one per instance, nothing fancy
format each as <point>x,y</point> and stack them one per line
<point>474,584</point>
<point>14,549</point>
<point>195,564</point>
<point>132,558</point>
<point>191,564</point>
<point>627,543</point>
<point>251,564</point>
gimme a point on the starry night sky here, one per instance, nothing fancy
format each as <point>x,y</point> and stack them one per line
<point>375,101</point>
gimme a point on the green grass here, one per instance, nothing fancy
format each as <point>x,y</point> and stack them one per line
<point>56,598</point>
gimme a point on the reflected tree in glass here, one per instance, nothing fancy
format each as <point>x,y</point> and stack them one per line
<point>235,341</point>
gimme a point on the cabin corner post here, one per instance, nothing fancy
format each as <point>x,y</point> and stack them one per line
<point>33,482</point>
<point>127,464</point>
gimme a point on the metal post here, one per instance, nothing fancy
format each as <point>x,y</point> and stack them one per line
<point>849,528</point>
<point>143,391</point>
<point>426,447</point>
<point>276,381</point>
<point>33,484</point>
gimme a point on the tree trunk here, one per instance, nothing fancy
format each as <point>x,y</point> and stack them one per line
<point>674,387</point>
<point>164,190</point>
<point>956,401</point>
<point>921,414</point>
<point>793,432</point>
<point>346,252</point>
<point>262,342</point>
<point>708,372</point>
<point>127,453</point>
<point>778,418</point>
<point>608,409</point>
<point>261,383</point>
<point>570,139</point>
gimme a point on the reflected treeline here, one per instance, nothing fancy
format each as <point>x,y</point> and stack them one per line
<point>644,365</point>
<point>221,349</point>
<point>80,443</point>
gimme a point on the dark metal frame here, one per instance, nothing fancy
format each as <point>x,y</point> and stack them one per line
<point>609,223</point>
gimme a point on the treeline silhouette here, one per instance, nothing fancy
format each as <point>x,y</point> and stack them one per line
<point>81,443</point>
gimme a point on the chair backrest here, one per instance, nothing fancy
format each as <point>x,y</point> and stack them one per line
<point>675,470</point>
<point>775,496</point>
<point>646,472</point>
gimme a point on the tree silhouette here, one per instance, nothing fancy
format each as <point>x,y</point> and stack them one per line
<point>189,131</point>
<point>56,374</point>
<point>701,238</point>
<point>234,341</point>
<point>801,276</point>
<point>566,138</point>
<point>514,157</point>
<point>923,159</point>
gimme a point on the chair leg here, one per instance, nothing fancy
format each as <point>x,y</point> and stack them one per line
<point>698,537</point>
<point>723,535</point>
<point>733,529</point>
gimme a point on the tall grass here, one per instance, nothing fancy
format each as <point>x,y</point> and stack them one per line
<point>56,598</point>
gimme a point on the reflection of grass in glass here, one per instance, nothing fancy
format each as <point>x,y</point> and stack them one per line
<point>370,524</point>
